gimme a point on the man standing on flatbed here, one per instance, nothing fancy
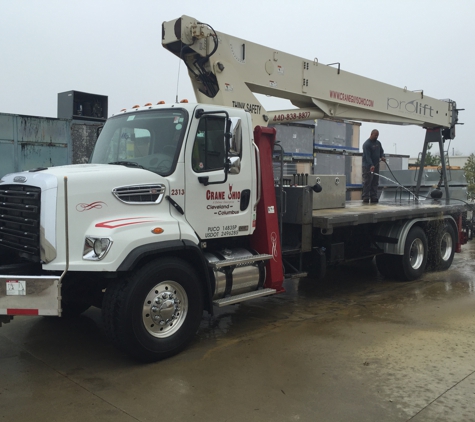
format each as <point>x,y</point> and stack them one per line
<point>372,153</point>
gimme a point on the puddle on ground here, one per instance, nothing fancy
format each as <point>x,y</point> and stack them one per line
<point>352,290</point>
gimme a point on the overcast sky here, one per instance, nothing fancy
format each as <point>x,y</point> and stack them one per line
<point>113,48</point>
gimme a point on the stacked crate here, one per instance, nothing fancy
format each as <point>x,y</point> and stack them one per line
<point>326,147</point>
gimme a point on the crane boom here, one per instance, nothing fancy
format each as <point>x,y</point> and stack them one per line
<point>227,71</point>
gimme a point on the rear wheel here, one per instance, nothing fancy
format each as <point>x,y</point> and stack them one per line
<point>412,264</point>
<point>154,313</point>
<point>442,248</point>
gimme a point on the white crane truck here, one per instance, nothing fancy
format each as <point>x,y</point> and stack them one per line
<point>177,212</point>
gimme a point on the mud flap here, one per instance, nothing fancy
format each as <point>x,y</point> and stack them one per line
<point>30,295</point>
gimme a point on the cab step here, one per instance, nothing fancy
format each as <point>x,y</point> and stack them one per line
<point>231,300</point>
<point>239,262</point>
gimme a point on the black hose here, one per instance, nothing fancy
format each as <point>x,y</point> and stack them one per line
<point>389,168</point>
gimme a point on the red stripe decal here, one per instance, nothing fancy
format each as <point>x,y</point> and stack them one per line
<point>22,312</point>
<point>112,224</point>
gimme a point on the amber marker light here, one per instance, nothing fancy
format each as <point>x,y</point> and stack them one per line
<point>184,101</point>
<point>161,102</point>
<point>148,104</point>
<point>136,106</point>
<point>157,230</point>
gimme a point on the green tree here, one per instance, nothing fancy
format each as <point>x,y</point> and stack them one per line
<point>469,169</point>
<point>431,160</point>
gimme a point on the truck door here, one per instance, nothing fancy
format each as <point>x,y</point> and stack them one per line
<point>218,204</point>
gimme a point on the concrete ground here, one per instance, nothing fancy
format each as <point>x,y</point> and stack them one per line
<point>354,348</point>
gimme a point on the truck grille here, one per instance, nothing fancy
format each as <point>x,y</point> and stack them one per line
<point>20,219</point>
<point>140,194</point>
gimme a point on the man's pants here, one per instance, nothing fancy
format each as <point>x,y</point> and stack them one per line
<point>370,183</point>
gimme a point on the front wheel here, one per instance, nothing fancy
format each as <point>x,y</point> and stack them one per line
<point>155,312</point>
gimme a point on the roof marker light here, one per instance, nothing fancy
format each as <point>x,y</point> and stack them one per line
<point>148,104</point>
<point>161,102</point>
<point>136,106</point>
<point>184,100</point>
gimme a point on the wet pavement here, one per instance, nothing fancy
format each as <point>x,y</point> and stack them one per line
<point>356,347</point>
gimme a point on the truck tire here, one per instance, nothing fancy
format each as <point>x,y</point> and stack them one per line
<point>412,264</point>
<point>156,311</point>
<point>442,248</point>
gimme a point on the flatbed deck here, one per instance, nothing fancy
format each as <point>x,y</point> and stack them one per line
<point>355,212</point>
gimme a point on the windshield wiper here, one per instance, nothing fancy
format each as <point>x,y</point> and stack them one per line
<point>128,164</point>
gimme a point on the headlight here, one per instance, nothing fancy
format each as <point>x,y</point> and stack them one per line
<point>96,248</point>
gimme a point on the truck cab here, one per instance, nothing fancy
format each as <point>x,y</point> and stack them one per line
<point>167,205</point>
<point>204,156</point>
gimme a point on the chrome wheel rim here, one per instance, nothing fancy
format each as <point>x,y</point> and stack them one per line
<point>446,246</point>
<point>416,254</point>
<point>165,309</point>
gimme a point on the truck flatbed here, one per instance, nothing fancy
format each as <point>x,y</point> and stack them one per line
<point>356,213</point>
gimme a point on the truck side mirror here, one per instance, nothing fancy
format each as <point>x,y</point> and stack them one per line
<point>234,145</point>
<point>234,165</point>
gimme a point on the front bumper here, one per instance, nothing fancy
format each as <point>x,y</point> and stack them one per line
<point>30,295</point>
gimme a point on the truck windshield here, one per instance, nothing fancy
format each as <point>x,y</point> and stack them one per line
<point>148,139</point>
